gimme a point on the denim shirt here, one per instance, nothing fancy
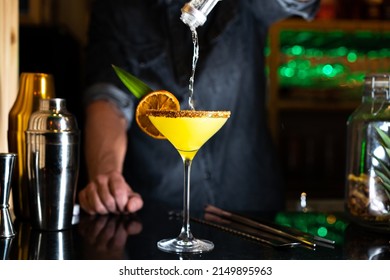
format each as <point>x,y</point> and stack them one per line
<point>237,168</point>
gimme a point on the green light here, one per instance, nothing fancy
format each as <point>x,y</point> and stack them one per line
<point>340,225</point>
<point>372,54</point>
<point>319,224</point>
<point>328,70</point>
<point>342,51</point>
<point>302,74</point>
<point>304,64</point>
<point>267,51</point>
<point>322,231</point>
<point>297,50</point>
<point>339,68</point>
<point>384,53</point>
<point>289,72</point>
<point>352,57</point>
<point>364,34</point>
<point>301,225</point>
<point>321,219</point>
<point>286,72</point>
<point>292,63</point>
<point>282,71</point>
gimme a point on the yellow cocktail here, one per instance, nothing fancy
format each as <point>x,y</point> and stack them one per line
<point>187,130</point>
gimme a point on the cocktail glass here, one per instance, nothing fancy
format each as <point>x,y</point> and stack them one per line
<point>187,130</point>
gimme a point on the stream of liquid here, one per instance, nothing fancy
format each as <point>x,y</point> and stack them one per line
<point>195,57</point>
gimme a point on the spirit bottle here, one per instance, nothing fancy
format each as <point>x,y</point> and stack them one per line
<point>194,13</point>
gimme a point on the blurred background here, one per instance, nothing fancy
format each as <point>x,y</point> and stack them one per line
<point>315,71</point>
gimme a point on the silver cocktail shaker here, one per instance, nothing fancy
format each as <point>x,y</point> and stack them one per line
<point>53,141</point>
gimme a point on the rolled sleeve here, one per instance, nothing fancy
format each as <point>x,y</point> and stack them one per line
<point>111,93</point>
<point>304,8</point>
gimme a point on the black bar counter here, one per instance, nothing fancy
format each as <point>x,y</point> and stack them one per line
<point>134,237</point>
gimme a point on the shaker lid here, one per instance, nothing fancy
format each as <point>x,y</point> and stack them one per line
<point>52,116</point>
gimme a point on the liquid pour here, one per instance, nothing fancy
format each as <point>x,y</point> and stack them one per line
<point>195,57</point>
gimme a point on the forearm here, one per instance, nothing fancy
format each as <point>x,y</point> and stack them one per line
<point>105,138</point>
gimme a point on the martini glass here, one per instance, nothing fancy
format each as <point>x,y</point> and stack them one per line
<point>187,130</point>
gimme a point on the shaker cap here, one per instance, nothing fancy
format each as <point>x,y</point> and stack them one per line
<point>52,116</point>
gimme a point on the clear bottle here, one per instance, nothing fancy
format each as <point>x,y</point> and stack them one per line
<point>367,195</point>
<point>194,13</point>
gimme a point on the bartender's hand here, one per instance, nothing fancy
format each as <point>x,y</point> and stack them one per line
<point>109,193</point>
<point>105,149</point>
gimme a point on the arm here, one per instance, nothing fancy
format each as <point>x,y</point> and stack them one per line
<point>108,113</point>
<point>105,148</point>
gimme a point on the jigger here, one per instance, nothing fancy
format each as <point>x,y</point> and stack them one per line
<point>7,162</point>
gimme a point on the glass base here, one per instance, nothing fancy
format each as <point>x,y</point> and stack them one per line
<point>176,245</point>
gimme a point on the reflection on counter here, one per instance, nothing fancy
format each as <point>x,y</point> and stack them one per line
<point>319,224</point>
<point>92,237</point>
<point>5,245</point>
<point>105,236</point>
<point>51,245</point>
<point>31,244</point>
<point>126,237</point>
<point>366,245</point>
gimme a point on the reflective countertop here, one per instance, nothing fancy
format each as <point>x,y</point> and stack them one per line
<point>134,237</point>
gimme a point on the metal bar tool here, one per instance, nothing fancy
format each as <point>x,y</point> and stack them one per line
<point>7,162</point>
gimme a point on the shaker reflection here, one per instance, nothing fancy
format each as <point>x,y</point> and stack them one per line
<point>21,243</point>
<point>49,245</point>
<point>105,236</point>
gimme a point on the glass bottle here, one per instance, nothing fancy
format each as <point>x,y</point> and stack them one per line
<point>194,13</point>
<point>32,88</point>
<point>367,195</point>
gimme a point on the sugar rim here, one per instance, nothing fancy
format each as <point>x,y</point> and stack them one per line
<point>187,113</point>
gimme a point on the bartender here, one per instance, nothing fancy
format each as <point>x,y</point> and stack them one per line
<point>238,168</point>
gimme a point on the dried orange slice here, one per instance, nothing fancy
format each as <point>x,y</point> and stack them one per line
<point>157,100</point>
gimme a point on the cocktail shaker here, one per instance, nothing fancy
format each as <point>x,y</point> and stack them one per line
<point>32,88</point>
<point>194,13</point>
<point>7,162</point>
<point>53,141</point>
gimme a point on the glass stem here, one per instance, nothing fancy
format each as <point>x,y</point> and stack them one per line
<point>185,233</point>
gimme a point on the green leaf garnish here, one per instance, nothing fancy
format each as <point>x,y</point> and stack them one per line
<point>137,87</point>
<point>384,179</point>
<point>383,171</point>
<point>384,138</point>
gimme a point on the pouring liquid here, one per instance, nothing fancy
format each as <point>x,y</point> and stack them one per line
<point>195,58</point>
